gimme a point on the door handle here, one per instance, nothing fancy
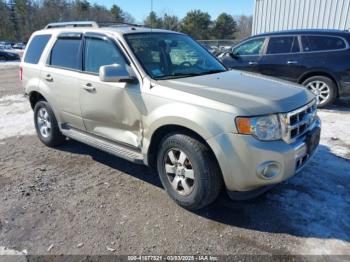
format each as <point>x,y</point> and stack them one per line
<point>252,63</point>
<point>48,78</point>
<point>292,62</point>
<point>88,87</point>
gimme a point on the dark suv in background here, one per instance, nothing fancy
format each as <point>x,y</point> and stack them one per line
<point>317,59</point>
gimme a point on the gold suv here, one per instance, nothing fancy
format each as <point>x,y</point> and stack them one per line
<point>158,98</point>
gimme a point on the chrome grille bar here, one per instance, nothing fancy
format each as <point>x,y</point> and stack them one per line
<point>296,123</point>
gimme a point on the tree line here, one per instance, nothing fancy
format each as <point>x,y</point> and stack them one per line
<point>20,18</point>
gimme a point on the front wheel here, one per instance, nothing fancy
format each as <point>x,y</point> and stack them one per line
<point>188,171</point>
<point>322,87</point>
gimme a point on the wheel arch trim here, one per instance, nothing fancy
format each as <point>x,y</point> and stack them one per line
<point>320,72</point>
<point>42,94</point>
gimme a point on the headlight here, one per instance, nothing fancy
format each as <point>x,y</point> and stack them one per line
<point>264,128</point>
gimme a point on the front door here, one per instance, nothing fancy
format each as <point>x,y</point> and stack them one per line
<point>246,56</point>
<point>109,109</point>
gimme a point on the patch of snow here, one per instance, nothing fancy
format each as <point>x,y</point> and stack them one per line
<point>9,64</point>
<point>336,125</point>
<point>315,246</point>
<point>16,117</point>
<point>10,255</point>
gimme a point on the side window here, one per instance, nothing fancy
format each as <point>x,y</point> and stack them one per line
<point>283,45</point>
<point>36,48</point>
<point>322,43</point>
<point>100,52</point>
<point>251,47</point>
<point>66,53</point>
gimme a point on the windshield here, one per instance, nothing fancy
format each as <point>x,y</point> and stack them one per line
<point>170,55</point>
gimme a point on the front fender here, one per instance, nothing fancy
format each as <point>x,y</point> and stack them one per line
<point>203,121</point>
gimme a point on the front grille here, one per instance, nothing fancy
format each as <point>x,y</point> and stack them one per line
<point>297,122</point>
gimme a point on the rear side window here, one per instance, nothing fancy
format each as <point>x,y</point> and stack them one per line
<point>100,52</point>
<point>322,43</point>
<point>36,48</point>
<point>283,45</point>
<point>66,53</point>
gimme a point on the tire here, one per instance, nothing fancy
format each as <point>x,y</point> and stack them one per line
<point>324,88</point>
<point>181,157</point>
<point>44,119</point>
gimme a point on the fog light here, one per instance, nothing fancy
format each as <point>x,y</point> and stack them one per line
<point>269,170</point>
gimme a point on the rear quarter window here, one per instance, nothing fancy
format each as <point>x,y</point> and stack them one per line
<point>322,43</point>
<point>36,48</point>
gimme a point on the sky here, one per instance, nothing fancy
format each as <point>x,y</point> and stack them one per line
<point>139,9</point>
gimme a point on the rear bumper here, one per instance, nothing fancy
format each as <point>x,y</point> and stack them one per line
<point>241,157</point>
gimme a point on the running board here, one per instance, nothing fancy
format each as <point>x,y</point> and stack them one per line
<point>109,147</point>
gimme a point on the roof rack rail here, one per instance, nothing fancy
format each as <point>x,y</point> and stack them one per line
<point>72,24</point>
<point>118,24</point>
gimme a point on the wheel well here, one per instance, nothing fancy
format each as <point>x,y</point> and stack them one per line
<point>320,73</point>
<point>34,97</point>
<point>164,131</point>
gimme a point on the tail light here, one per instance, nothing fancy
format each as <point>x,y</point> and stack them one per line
<point>21,73</point>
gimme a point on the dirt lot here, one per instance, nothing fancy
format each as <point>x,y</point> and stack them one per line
<point>78,200</point>
<point>9,80</point>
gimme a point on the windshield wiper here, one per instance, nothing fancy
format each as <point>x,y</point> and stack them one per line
<point>183,75</point>
<point>212,72</point>
<point>176,75</point>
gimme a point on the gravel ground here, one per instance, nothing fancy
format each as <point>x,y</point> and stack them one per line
<point>78,200</point>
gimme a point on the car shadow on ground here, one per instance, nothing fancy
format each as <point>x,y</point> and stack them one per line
<point>138,171</point>
<point>315,203</point>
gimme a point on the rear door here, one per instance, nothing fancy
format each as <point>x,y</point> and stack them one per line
<point>60,77</point>
<point>282,58</point>
<point>246,56</point>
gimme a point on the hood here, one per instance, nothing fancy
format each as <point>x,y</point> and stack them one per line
<point>251,93</point>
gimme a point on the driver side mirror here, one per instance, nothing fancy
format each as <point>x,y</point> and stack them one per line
<point>115,73</point>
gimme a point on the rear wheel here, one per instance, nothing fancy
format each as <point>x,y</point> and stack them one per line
<point>46,125</point>
<point>188,171</point>
<point>323,87</point>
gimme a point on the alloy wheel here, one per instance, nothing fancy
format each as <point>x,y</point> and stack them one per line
<point>179,170</point>
<point>44,122</point>
<point>320,89</point>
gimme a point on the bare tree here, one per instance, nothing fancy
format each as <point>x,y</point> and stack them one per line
<point>244,26</point>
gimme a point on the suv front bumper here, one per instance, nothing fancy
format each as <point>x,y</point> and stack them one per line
<point>243,159</point>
